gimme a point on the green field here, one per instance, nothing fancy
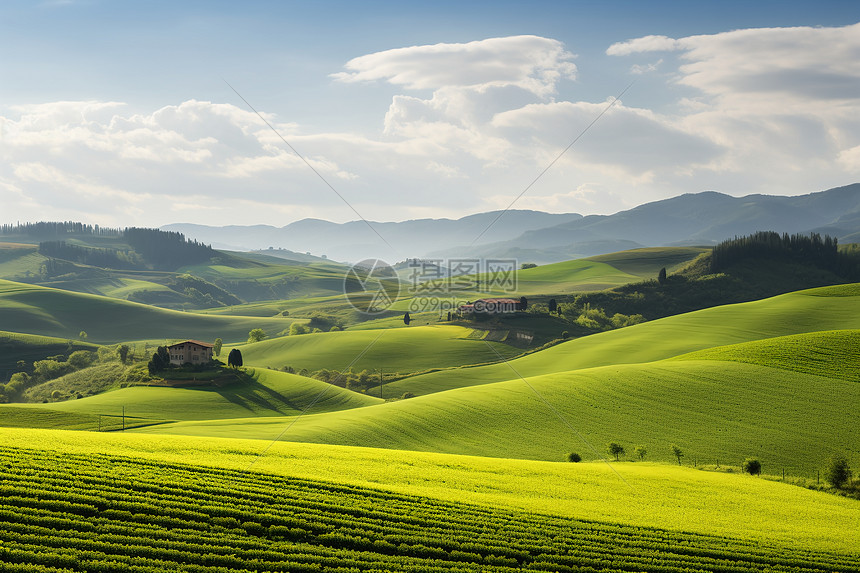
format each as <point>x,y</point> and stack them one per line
<point>29,347</point>
<point>804,311</point>
<point>412,349</point>
<point>258,393</point>
<point>52,312</point>
<point>674,499</point>
<point>717,412</point>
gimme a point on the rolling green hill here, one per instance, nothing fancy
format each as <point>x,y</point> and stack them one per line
<point>412,349</point>
<point>804,311</point>
<point>52,312</point>
<point>259,393</point>
<point>28,347</point>
<point>715,411</point>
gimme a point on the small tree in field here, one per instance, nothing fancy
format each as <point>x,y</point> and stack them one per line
<point>256,335</point>
<point>574,457</point>
<point>123,351</point>
<point>407,319</point>
<point>677,452</point>
<point>661,276</point>
<point>615,449</point>
<point>752,466</point>
<point>552,306</point>
<point>82,335</point>
<point>640,451</point>
<point>234,359</point>
<point>217,346</point>
<point>838,473</point>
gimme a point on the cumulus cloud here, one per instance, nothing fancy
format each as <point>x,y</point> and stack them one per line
<point>644,44</point>
<point>532,63</point>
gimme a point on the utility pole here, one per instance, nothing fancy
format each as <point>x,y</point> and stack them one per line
<point>381,383</point>
<point>123,418</point>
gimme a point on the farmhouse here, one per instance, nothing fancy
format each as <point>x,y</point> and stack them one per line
<point>490,305</point>
<point>190,352</point>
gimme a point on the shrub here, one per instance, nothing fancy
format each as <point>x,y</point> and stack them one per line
<point>296,328</point>
<point>838,473</point>
<point>752,466</point>
<point>407,395</point>
<point>574,457</point>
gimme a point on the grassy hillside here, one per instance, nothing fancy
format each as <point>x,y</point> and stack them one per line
<point>805,311</point>
<point>835,354</point>
<point>258,393</point>
<point>412,349</point>
<point>667,497</point>
<point>29,347</point>
<point>52,312</point>
<point>715,411</point>
<point>646,263</point>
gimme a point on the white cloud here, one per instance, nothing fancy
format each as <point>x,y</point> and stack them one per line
<point>532,63</point>
<point>644,44</point>
<point>490,123</point>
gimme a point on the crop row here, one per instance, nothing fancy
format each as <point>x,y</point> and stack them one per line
<point>62,512</point>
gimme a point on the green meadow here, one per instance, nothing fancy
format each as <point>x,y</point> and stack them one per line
<point>53,312</point>
<point>259,392</point>
<point>412,349</point>
<point>804,311</point>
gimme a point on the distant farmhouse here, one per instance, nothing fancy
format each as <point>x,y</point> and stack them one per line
<point>491,306</point>
<point>190,352</point>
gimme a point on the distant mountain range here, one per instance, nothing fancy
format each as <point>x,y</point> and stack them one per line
<point>532,236</point>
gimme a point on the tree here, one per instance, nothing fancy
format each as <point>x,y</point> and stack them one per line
<point>82,335</point>
<point>216,348</point>
<point>256,335</point>
<point>524,303</point>
<point>615,449</point>
<point>407,319</point>
<point>234,359</point>
<point>80,359</point>
<point>838,473</point>
<point>574,457</point>
<point>565,335</point>
<point>677,452</point>
<point>661,276</point>
<point>123,351</point>
<point>159,361</point>
<point>640,451</point>
<point>752,466</point>
<point>525,266</point>
<point>552,305</point>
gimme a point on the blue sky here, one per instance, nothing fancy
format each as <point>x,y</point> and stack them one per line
<point>118,112</point>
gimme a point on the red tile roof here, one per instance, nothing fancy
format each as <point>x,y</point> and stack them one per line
<point>197,342</point>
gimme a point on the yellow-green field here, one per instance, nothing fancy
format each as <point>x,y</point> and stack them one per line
<point>639,494</point>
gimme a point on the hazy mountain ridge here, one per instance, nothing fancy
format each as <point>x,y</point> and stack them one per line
<point>704,218</point>
<point>354,240</point>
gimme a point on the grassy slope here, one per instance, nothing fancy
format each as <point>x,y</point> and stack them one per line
<point>412,349</point>
<point>646,263</point>
<point>681,499</point>
<point>834,353</point>
<point>804,311</point>
<point>265,393</point>
<point>715,411</point>
<point>29,347</point>
<point>46,311</point>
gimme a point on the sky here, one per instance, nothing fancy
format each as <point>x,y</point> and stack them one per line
<point>125,113</point>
